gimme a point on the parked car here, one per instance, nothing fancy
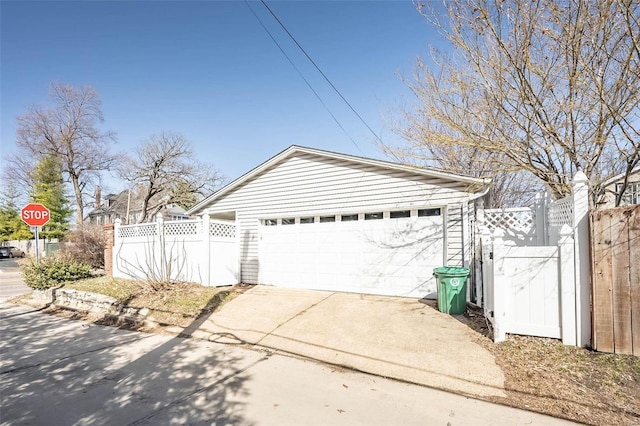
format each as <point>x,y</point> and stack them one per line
<point>5,252</point>
<point>15,252</point>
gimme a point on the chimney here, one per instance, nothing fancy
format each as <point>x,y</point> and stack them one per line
<point>98,196</point>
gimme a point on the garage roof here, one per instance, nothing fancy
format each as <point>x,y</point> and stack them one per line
<point>475,184</point>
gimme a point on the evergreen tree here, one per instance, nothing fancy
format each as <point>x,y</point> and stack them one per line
<point>48,189</point>
<point>11,225</point>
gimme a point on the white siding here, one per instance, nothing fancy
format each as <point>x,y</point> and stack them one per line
<point>455,235</point>
<point>306,184</point>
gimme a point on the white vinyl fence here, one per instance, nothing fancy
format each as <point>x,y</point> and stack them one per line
<point>535,268</point>
<point>203,251</point>
<point>29,246</point>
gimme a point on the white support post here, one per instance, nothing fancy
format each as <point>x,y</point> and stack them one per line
<point>541,204</point>
<point>477,251</point>
<point>567,289</point>
<point>239,252</point>
<point>206,249</point>
<point>466,249</point>
<point>486,272</point>
<point>547,223</point>
<point>580,194</point>
<point>161,264</point>
<point>499,288</point>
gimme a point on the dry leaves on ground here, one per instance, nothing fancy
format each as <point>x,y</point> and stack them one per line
<point>574,383</point>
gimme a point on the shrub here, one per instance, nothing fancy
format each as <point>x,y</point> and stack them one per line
<point>53,271</point>
<point>86,245</point>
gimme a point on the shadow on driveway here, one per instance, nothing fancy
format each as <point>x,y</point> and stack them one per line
<point>125,378</point>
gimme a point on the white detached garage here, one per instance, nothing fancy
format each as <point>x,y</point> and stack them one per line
<point>320,220</point>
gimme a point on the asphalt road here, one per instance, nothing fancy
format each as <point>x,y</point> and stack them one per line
<point>56,371</point>
<point>11,284</point>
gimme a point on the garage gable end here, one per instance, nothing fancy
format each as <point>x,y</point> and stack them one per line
<point>347,163</point>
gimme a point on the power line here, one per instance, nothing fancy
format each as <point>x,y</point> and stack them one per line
<point>320,71</point>
<point>302,76</point>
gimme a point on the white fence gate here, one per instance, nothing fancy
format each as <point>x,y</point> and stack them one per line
<point>203,251</point>
<point>530,290</point>
<point>535,268</point>
<point>530,294</point>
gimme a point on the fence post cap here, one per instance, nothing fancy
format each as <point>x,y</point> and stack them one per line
<point>118,222</point>
<point>566,230</point>
<point>580,177</point>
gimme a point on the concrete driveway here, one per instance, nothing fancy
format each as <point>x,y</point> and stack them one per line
<point>394,337</point>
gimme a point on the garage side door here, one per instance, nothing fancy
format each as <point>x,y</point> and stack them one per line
<point>385,256</point>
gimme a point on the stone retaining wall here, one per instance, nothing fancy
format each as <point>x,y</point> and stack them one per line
<point>88,302</point>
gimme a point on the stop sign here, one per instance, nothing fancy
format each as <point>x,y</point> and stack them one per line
<point>34,214</point>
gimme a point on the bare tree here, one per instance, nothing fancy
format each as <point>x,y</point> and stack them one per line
<point>67,131</point>
<point>509,188</point>
<point>165,170</point>
<point>546,87</point>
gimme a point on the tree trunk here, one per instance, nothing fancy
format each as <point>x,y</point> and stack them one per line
<point>79,203</point>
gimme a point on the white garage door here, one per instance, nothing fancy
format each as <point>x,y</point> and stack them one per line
<point>391,255</point>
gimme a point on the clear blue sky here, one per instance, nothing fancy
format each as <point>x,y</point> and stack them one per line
<point>208,70</point>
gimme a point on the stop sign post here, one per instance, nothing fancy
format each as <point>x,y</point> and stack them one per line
<point>35,215</point>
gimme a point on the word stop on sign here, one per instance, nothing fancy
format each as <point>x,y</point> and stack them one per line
<point>35,214</point>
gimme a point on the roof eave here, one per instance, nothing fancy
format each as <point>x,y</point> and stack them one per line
<point>619,176</point>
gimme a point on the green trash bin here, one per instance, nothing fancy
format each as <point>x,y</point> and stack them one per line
<point>452,289</point>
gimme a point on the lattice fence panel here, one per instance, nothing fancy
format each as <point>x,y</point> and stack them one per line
<point>561,212</point>
<point>518,220</point>
<point>182,227</point>
<point>140,230</point>
<point>224,230</point>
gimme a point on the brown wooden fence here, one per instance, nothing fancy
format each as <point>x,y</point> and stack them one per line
<point>615,265</point>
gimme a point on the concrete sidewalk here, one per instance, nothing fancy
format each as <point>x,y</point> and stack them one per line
<point>393,337</point>
<point>11,284</point>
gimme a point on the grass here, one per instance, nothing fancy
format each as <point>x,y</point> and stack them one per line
<point>177,304</point>
<point>120,289</point>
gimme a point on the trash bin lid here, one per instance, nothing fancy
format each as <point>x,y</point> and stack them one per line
<point>451,271</point>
